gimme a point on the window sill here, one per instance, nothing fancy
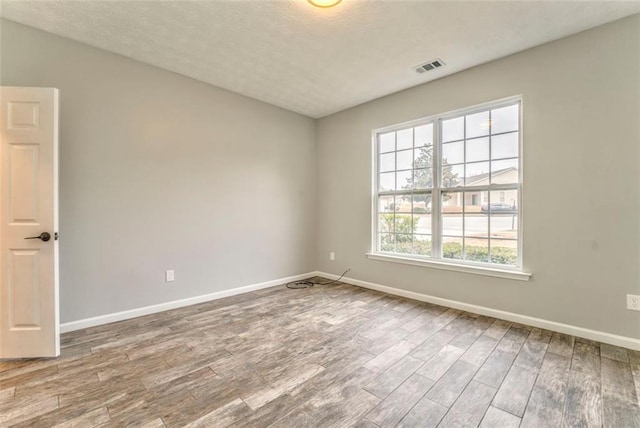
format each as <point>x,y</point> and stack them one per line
<point>437,264</point>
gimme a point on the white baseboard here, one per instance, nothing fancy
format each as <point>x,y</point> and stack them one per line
<point>599,336</point>
<point>138,312</point>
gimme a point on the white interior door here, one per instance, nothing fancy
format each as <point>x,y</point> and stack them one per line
<point>29,316</point>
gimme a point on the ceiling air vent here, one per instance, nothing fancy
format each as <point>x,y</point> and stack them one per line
<point>432,65</point>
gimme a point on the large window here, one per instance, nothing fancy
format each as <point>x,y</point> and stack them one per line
<point>449,187</point>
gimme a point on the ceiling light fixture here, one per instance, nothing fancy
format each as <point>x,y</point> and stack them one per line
<point>324,3</point>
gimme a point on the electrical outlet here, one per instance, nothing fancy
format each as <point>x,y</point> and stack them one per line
<point>633,302</point>
<point>332,256</point>
<point>169,276</point>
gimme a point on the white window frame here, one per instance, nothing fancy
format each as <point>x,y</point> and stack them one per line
<point>436,260</point>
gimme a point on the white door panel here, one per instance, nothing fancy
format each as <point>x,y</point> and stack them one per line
<point>29,318</point>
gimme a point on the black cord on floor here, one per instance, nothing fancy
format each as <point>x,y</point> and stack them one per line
<point>305,283</point>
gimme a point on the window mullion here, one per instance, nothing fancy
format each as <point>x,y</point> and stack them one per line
<point>395,198</point>
<point>436,221</point>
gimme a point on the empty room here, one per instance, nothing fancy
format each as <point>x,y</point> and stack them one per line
<point>320,213</point>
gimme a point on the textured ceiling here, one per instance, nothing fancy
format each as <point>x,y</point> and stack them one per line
<point>309,60</point>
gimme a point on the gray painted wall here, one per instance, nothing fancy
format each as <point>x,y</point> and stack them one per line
<point>581,189</point>
<point>158,171</point>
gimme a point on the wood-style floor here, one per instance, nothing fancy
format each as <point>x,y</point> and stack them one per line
<point>330,356</point>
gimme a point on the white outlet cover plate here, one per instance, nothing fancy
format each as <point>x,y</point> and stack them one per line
<point>633,302</point>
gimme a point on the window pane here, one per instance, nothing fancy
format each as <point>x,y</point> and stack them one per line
<point>453,153</point>
<point>404,243</point>
<point>387,181</point>
<point>504,119</point>
<point>423,157</point>
<point>422,223</point>
<point>477,125</point>
<point>387,162</point>
<point>503,218</point>
<point>423,135</point>
<point>503,206</point>
<point>404,180</point>
<point>422,245</point>
<point>476,225</point>
<point>403,224</point>
<point>422,219</point>
<point>452,175</point>
<point>386,204</point>
<point>504,171</point>
<point>387,142</point>
<point>477,174</point>
<point>403,204</point>
<point>504,146</point>
<point>422,203</point>
<point>386,242</point>
<point>451,247</point>
<point>405,139</point>
<point>504,252</point>
<point>504,225</point>
<point>474,200</point>
<point>476,250</point>
<point>405,159</point>
<point>423,178</point>
<point>386,223</point>
<point>452,207</point>
<point>451,202</point>
<point>477,149</point>
<point>453,129</point>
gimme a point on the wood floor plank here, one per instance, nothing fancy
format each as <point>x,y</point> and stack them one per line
<point>278,408</point>
<point>561,344</point>
<point>393,408</point>
<point>387,358</point>
<point>329,400</point>
<point>480,350</point>
<point>365,423</point>
<point>427,349</point>
<point>495,418</point>
<point>618,413</point>
<point>546,404</point>
<point>514,391</point>
<point>470,407</point>
<point>452,383</point>
<point>617,379</point>
<point>90,419</point>
<point>419,336</point>
<point>27,410</point>
<point>614,353</point>
<point>282,386</point>
<point>425,414</point>
<point>394,376</point>
<point>583,405</point>
<point>495,368</point>
<point>586,359</point>
<point>534,349</point>
<point>350,411</point>
<point>223,416</point>
<point>441,362</point>
<point>7,394</point>
<point>619,400</point>
<point>296,418</point>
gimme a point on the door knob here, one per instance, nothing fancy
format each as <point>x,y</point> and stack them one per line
<point>44,236</point>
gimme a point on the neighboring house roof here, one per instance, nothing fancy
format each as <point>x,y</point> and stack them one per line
<point>483,176</point>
